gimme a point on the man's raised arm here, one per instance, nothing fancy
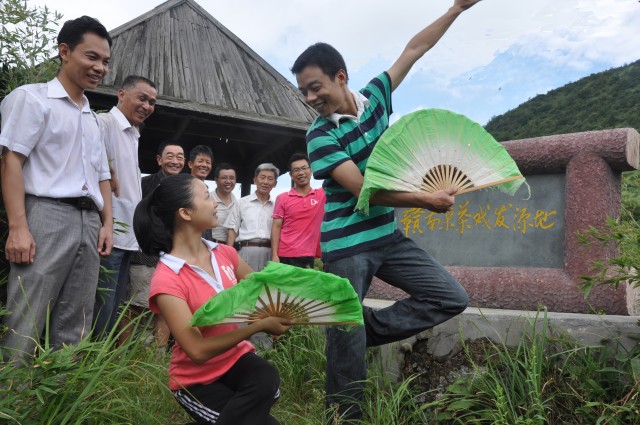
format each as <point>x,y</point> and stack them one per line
<point>422,42</point>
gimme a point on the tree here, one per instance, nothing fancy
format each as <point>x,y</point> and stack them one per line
<point>27,42</point>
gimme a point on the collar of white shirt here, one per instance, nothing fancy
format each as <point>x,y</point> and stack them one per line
<point>361,103</point>
<point>214,195</point>
<point>122,121</point>
<point>254,197</point>
<point>55,90</point>
<point>176,264</point>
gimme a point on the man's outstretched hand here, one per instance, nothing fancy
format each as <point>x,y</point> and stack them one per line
<point>465,4</point>
<point>440,201</point>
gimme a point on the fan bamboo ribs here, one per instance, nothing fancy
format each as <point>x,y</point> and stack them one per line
<point>296,308</point>
<point>305,296</point>
<point>434,149</point>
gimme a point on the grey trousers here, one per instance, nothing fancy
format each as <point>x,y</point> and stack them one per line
<point>59,284</point>
<point>255,256</point>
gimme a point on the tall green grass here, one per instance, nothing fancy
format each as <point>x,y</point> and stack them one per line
<point>547,378</point>
<point>93,382</point>
<point>299,357</point>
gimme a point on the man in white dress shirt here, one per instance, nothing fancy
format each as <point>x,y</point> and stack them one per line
<point>121,127</point>
<point>250,225</point>
<point>55,185</point>
<point>225,178</point>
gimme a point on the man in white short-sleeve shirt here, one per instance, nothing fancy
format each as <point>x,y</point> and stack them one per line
<point>55,186</point>
<point>250,225</point>
<point>121,126</point>
<point>225,178</point>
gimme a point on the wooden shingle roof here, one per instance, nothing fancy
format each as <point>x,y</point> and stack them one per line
<point>194,58</point>
<point>212,89</point>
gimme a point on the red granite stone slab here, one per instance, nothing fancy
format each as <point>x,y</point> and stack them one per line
<point>593,162</point>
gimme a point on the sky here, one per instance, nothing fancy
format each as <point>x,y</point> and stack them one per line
<point>497,55</point>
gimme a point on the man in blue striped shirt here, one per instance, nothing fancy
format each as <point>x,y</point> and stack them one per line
<point>358,246</point>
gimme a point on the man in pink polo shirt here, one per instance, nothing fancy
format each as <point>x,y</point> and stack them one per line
<point>297,215</point>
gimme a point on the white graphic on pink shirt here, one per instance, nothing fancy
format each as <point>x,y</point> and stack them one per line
<point>228,270</point>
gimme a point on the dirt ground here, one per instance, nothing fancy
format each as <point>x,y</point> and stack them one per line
<point>435,374</point>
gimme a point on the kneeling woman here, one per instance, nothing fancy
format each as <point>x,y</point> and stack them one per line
<point>214,373</point>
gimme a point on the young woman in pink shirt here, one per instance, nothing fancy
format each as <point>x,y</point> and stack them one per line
<point>214,372</point>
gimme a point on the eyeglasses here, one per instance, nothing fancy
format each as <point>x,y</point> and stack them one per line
<point>297,170</point>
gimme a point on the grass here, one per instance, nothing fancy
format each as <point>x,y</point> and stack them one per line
<point>299,357</point>
<point>101,383</point>
<point>95,382</point>
<point>547,378</point>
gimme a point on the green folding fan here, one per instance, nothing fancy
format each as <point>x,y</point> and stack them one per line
<point>305,296</point>
<point>435,149</point>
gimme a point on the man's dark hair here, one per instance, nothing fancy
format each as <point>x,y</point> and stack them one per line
<point>163,145</point>
<point>132,80</point>
<point>200,150</point>
<point>73,31</point>
<point>324,56</point>
<point>223,166</point>
<point>297,157</point>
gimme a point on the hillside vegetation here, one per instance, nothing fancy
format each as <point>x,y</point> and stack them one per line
<point>609,99</point>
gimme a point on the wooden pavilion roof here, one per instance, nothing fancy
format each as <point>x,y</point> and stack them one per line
<point>212,90</point>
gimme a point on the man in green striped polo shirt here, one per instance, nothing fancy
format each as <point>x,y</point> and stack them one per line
<point>358,246</point>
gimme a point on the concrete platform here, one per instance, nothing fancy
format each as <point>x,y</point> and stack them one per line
<point>508,326</point>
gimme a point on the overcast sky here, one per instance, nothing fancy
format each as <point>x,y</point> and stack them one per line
<point>496,56</point>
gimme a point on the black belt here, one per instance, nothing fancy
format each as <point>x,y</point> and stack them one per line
<point>265,243</point>
<point>81,202</point>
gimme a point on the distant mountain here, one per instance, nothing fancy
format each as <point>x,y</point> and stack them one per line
<point>609,99</point>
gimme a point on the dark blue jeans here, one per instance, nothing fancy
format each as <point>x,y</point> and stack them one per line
<point>435,296</point>
<point>107,304</point>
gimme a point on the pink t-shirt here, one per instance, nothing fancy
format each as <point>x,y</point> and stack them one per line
<point>175,277</point>
<point>301,219</point>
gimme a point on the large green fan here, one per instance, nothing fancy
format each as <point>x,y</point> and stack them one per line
<point>305,296</point>
<point>435,149</point>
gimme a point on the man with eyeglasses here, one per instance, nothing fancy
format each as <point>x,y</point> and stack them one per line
<point>297,216</point>
<point>225,177</point>
<point>358,246</point>
<point>250,225</point>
